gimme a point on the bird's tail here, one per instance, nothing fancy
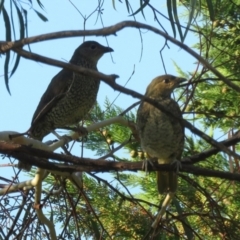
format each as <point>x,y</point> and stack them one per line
<point>167,181</point>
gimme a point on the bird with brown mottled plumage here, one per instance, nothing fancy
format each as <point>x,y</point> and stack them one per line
<point>69,96</point>
<point>162,135</point>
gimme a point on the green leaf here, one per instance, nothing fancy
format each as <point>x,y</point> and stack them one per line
<point>1,5</point>
<point>142,6</point>
<point>6,71</point>
<point>40,4</point>
<point>169,7</point>
<point>21,21</point>
<point>127,4</point>
<point>26,24</point>
<point>177,19</point>
<point>12,21</point>
<point>185,222</point>
<point>15,65</point>
<point>8,38</point>
<point>26,20</point>
<point>40,15</point>
<point>113,3</point>
<point>193,4</point>
<point>211,10</point>
<point>22,29</point>
<point>94,227</point>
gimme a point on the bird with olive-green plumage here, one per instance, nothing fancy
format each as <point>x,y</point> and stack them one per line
<point>162,134</point>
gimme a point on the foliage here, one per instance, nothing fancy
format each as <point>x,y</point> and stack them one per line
<point>213,101</point>
<point>19,9</point>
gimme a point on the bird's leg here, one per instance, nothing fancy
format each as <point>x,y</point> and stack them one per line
<point>82,131</point>
<point>66,139</point>
<point>177,165</point>
<point>146,163</point>
<point>162,211</point>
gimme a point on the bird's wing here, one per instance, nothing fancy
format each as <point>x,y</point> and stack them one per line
<point>57,88</point>
<point>177,125</point>
<point>142,115</point>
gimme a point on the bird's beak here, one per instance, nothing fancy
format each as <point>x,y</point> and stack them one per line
<point>180,80</point>
<point>108,49</point>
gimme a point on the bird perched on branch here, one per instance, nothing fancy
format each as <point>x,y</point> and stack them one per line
<point>70,95</point>
<point>162,134</point>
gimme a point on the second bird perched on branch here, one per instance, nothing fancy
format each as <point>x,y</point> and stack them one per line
<point>161,134</point>
<point>69,96</point>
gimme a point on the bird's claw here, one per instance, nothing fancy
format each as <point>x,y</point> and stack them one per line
<point>82,131</point>
<point>66,140</point>
<point>177,165</point>
<point>146,163</point>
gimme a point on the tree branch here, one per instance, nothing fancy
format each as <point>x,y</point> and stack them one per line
<point>6,46</point>
<point>39,157</point>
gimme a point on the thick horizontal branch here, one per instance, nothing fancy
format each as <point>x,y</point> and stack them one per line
<point>110,80</point>
<point>39,158</point>
<point>112,30</point>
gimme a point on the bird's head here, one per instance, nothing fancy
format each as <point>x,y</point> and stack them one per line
<point>90,50</point>
<point>163,86</point>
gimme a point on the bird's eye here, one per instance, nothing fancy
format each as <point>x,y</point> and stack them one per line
<point>93,46</point>
<point>166,80</point>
